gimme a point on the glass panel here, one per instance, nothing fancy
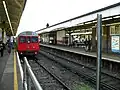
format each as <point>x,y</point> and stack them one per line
<point>28,39</point>
<point>112,29</point>
<point>117,29</point>
<point>28,33</point>
<point>34,39</point>
<point>22,39</point>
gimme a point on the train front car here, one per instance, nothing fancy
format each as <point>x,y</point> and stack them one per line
<point>28,43</point>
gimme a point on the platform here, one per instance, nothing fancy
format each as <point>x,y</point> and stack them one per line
<point>106,56</point>
<point>9,72</point>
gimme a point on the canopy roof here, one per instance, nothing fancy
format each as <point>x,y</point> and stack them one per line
<point>110,14</point>
<point>14,8</point>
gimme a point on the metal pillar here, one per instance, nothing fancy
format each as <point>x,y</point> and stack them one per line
<point>2,34</point>
<point>70,39</point>
<point>94,46</point>
<point>99,49</point>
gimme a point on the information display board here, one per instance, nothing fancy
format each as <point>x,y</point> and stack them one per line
<point>115,43</point>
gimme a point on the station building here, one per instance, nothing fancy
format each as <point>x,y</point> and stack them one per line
<point>84,27</point>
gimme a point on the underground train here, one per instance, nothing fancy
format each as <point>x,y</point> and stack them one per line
<point>28,43</point>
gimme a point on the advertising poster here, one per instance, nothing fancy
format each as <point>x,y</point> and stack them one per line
<point>115,43</point>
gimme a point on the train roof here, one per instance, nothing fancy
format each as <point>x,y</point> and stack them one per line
<point>28,33</point>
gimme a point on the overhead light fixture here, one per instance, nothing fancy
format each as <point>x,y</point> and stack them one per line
<point>94,21</point>
<point>77,30</point>
<point>80,24</point>
<point>106,18</point>
<point>116,17</point>
<point>88,22</point>
<point>81,33</point>
<point>4,4</point>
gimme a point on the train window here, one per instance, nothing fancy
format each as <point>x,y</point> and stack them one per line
<point>22,39</point>
<point>34,39</point>
<point>28,39</point>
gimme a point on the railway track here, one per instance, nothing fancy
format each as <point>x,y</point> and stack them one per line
<point>47,79</point>
<point>108,82</point>
<point>69,80</point>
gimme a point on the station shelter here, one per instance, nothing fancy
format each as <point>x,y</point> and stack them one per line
<point>84,27</point>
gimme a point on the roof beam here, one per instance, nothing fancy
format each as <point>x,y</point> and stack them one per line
<point>6,11</point>
<point>18,3</point>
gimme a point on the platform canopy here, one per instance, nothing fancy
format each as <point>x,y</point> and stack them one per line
<point>10,14</point>
<point>110,14</point>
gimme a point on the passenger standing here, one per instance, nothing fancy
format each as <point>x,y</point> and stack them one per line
<point>86,45</point>
<point>2,48</point>
<point>9,46</point>
<point>86,42</point>
<point>90,44</point>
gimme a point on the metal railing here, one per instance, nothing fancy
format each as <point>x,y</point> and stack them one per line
<point>29,76</point>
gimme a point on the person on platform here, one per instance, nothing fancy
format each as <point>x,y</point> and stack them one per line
<point>9,44</point>
<point>2,46</point>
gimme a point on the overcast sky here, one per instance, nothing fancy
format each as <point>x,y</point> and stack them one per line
<point>38,13</point>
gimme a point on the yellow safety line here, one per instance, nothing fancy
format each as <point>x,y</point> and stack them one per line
<point>15,74</point>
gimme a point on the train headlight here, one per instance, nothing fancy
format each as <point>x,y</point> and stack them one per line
<point>35,52</point>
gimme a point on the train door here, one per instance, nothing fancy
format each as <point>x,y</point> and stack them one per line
<point>28,43</point>
<point>22,43</point>
<point>32,43</point>
<point>35,42</point>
